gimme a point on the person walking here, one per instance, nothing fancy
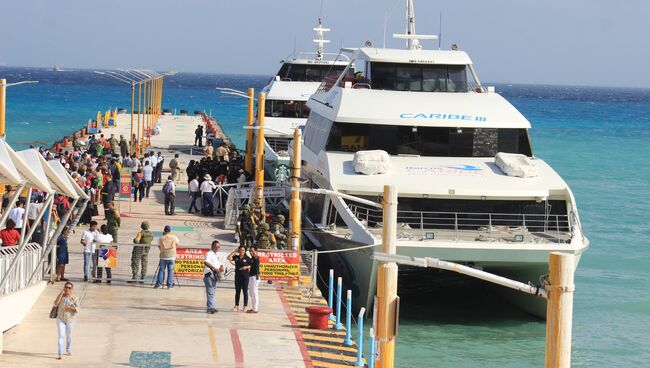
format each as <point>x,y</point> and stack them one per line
<point>140,253</point>
<point>254,281</point>
<point>139,184</point>
<point>242,263</point>
<point>62,254</point>
<point>147,171</point>
<point>213,266</point>
<point>88,242</point>
<point>113,220</point>
<point>167,245</point>
<point>198,135</point>
<point>246,228</point>
<point>174,165</point>
<point>206,195</point>
<point>66,312</point>
<point>108,193</point>
<point>195,193</point>
<point>169,190</point>
<point>124,147</point>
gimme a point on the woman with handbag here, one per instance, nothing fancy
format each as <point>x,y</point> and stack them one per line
<point>65,309</point>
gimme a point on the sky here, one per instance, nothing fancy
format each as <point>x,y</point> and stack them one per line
<point>569,42</point>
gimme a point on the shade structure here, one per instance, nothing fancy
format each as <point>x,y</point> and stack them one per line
<point>8,173</point>
<point>63,173</point>
<point>29,166</point>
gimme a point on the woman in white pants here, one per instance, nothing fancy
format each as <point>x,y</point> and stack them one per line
<point>68,306</point>
<point>254,281</point>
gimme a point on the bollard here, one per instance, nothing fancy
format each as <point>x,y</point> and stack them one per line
<point>348,320</point>
<point>330,297</point>
<point>371,358</point>
<point>339,287</point>
<point>359,362</point>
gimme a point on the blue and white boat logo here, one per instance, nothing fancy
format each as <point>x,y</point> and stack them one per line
<point>465,167</point>
<point>442,116</point>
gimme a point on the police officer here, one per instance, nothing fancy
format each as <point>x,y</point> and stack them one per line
<point>246,227</point>
<point>140,253</point>
<point>280,232</point>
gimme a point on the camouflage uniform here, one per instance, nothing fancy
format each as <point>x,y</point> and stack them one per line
<point>266,240</point>
<point>113,223</point>
<point>140,254</point>
<point>280,232</point>
<point>246,227</point>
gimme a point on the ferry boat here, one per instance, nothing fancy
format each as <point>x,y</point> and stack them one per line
<point>470,189</point>
<point>286,95</point>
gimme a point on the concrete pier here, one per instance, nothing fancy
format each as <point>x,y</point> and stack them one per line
<point>135,325</point>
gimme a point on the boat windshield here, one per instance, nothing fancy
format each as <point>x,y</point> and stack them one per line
<point>428,141</point>
<point>308,72</point>
<point>418,77</point>
<point>286,109</point>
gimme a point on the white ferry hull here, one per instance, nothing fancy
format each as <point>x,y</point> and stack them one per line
<point>359,271</point>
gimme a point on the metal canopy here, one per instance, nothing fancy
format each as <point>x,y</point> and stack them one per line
<point>8,173</point>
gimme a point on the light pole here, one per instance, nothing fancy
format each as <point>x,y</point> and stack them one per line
<point>3,101</point>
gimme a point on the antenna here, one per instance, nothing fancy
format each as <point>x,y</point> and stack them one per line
<point>385,21</point>
<point>319,39</point>
<point>412,39</point>
<point>294,47</point>
<point>440,31</point>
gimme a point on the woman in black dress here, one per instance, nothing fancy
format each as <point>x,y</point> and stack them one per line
<point>62,254</point>
<point>242,263</point>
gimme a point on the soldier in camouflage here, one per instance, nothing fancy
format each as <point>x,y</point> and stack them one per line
<point>265,239</point>
<point>140,254</point>
<point>113,220</point>
<point>280,232</point>
<point>246,227</point>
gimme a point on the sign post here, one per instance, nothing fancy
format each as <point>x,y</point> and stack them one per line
<point>125,186</point>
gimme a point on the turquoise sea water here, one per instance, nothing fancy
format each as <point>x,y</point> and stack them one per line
<point>598,139</point>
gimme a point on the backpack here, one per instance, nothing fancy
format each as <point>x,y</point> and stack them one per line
<point>167,188</point>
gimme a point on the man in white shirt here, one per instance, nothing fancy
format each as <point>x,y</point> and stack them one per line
<point>206,194</point>
<point>17,214</point>
<point>88,242</point>
<point>195,193</point>
<point>241,179</point>
<point>147,170</point>
<point>212,267</point>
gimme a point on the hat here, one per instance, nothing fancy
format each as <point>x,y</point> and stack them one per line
<point>280,218</point>
<point>241,170</point>
<point>167,229</point>
<point>246,207</point>
<point>144,225</point>
<point>207,177</point>
<point>265,226</point>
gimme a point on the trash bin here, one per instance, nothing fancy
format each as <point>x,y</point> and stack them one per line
<point>318,316</point>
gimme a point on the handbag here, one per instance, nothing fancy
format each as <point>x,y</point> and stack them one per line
<point>54,311</point>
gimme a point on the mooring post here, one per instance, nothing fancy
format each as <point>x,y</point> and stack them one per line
<point>339,297</point>
<point>559,309</point>
<point>371,358</point>
<point>359,362</point>
<point>348,319</point>
<point>330,296</point>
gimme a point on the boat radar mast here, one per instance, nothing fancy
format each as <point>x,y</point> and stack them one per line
<point>412,39</point>
<point>319,39</point>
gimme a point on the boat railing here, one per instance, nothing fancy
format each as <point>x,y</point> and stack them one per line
<point>27,266</point>
<point>457,226</point>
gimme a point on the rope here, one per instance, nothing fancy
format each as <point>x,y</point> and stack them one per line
<point>348,249</point>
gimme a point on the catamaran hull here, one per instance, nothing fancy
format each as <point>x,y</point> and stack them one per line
<point>359,271</point>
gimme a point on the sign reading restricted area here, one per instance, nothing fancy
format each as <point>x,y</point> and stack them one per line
<point>279,265</point>
<point>189,262</point>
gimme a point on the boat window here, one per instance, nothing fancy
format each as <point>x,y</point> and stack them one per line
<point>418,78</point>
<point>427,141</point>
<point>286,109</point>
<point>309,72</point>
